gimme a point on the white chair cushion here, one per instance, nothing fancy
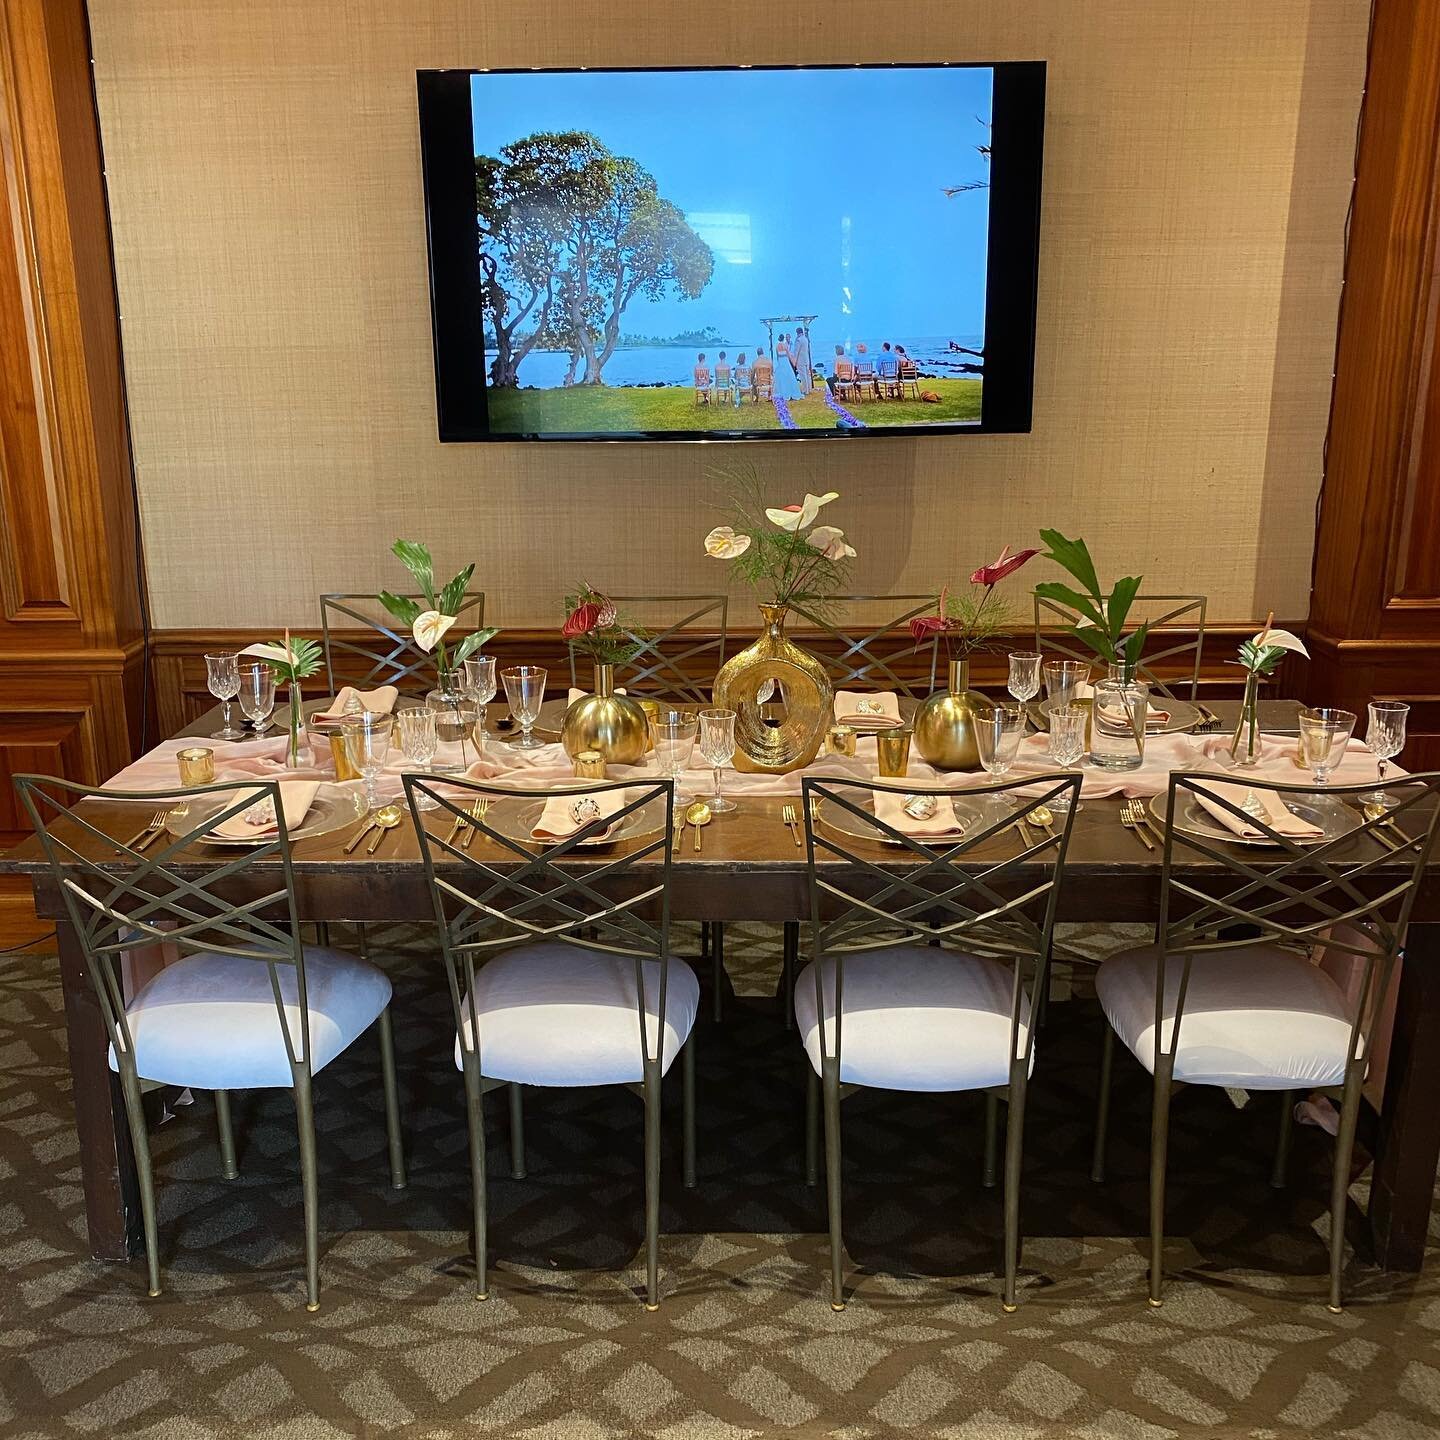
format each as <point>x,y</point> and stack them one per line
<point>210,1021</point>
<point>553,1014</point>
<point>1257,1018</point>
<point>916,1018</point>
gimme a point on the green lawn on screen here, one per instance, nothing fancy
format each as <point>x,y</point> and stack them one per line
<point>604,409</point>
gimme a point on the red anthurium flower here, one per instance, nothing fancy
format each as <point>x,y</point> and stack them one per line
<point>922,627</point>
<point>581,620</point>
<point>1005,564</point>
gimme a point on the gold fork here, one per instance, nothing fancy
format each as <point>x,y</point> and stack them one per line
<point>788,815</point>
<point>478,811</point>
<point>147,836</point>
<point>1130,819</point>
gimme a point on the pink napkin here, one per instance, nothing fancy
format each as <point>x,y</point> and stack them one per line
<point>865,711</point>
<point>258,822</point>
<point>943,824</point>
<point>381,700</point>
<point>557,822</point>
<point>1277,817</point>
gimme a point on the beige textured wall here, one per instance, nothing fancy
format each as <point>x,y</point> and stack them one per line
<point>264,178</point>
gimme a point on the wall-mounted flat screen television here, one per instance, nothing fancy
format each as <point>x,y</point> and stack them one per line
<point>747,253</point>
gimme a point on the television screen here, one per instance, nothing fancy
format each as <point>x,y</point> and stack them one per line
<point>777,253</point>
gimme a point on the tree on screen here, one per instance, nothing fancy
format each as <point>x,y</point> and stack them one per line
<point>570,234</point>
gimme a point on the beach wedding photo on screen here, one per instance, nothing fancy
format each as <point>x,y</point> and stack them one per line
<point>733,253</point>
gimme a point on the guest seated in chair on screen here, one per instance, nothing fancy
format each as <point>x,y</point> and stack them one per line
<point>739,378</point>
<point>702,380</point>
<point>762,376</point>
<point>844,370</point>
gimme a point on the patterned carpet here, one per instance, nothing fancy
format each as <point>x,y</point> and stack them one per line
<point>745,1343</point>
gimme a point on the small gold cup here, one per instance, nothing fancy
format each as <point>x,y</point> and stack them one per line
<point>340,754</point>
<point>197,766</point>
<point>892,747</point>
<point>588,765</point>
<point>841,740</point>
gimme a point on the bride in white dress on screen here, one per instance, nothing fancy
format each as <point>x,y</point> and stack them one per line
<point>787,387</point>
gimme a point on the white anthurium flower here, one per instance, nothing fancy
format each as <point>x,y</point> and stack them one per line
<point>1282,640</point>
<point>722,543</point>
<point>801,517</point>
<point>272,653</point>
<point>429,629</point>
<point>831,542</point>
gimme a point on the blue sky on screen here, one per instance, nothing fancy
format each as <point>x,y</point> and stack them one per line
<point>819,191</point>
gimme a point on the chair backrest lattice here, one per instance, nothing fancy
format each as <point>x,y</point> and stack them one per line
<point>869,642</point>
<point>1352,893</point>
<point>118,897</point>
<point>675,655</point>
<point>1182,650</point>
<point>606,902</point>
<point>385,653</point>
<point>979,892</point>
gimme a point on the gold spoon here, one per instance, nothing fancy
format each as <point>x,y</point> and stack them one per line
<point>386,818</point>
<point>699,816</point>
<point>1374,811</point>
<point>1041,818</point>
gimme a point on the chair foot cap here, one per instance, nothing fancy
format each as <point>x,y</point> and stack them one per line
<point>1153,1303</point>
<point>837,1305</point>
<point>153,1294</point>
<point>312,1306</point>
<point>1335,1309</point>
<point>1008,1308</point>
<point>482,1294</point>
<point>651,1308</point>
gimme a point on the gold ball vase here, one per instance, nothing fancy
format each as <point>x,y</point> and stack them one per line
<point>613,725</point>
<point>782,699</point>
<point>945,723</point>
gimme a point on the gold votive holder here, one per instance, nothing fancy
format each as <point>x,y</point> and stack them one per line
<point>840,740</point>
<point>652,714</point>
<point>588,765</point>
<point>197,765</point>
<point>892,749</point>
<point>340,754</point>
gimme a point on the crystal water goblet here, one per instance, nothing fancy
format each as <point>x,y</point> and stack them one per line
<point>480,685</point>
<point>222,679</point>
<point>419,739</point>
<point>997,737</point>
<point>1324,734</point>
<point>1385,735</point>
<point>257,695</point>
<point>717,745</point>
<point>367,744</point>
<point>674,733</point>
<point>525,690</point>
<point>1067,743</point>
<point>1024,683</point>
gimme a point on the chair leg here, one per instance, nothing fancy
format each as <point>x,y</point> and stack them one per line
<point>1014,1136</point>
<point>652,1186</point>
<point>475,1123</point>
<point>310,1188</point>
<point>812,1125</point>
<point>717,966</point>
<point>790,950</point>
<point>1159,1143</point>
<point>228,1167</point>
<point>1102,1107</point>
<point>392,1101</point>
<point>830,1089</point>
<point>140,1144</point>
<point>992,1140</point>
<point>687,1095</point>
<point>1282,1139</point>
<point>1340,1179</point>
<point>516,1097</point>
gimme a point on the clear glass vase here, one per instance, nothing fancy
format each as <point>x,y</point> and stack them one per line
<point>297,723</point>
<point>1245,743</point>
<point>456,716</point>
<point>1117,721</point>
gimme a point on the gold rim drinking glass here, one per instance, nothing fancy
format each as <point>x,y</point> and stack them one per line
<point>892,751</point>
<point>419,739</point>
<point>367,744</point>
<point>1385,735</point>
<point>525,690</point>
<point>480,686</point>
<point>1063,678</point>
<point>997,736</point>
<point>1324,734</point>
<point>674,733</point>
<point>717,745</point>
<point>257,696</point>
<point>1067,743</point>
<point>222,679</point>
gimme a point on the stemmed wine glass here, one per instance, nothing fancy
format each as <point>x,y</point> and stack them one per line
<point>1324,734</point>
<point>1067,743</point>
<point>480,686</point>
<point>222,678</point>
<point>997,737</point>
<point>367,744</point>
<point>525,690</point>
<point>1024,682</point>
<point>674,733</point>
<point>717,745</point>
<point>1063,678</point>
<point>257,695</point>
<point>419,739</point>
<point>1385,736</point>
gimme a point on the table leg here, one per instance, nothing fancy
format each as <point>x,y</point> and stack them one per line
<point>1408,1139</point>
<point>107,1163</point>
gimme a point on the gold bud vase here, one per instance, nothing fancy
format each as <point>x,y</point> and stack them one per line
<point>945,723</point>
<point>784,730</point>
<point>613,725</point>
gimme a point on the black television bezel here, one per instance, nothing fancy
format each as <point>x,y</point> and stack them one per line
<point>456,303</point>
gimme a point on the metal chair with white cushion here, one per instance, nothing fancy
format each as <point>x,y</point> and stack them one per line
<point>245,1006</point>
<point>558,958</point>
<point>925,965</point>
<point>1242,1003</point>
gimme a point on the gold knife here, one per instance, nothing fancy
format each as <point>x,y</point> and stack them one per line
<point>367,825</point>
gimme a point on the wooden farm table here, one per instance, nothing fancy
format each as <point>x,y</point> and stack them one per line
<point>751,869</point>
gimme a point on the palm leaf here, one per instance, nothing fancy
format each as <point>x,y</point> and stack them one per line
<point>472,642</point>
<point>1073,556</point>
<point>416,559</point>
<point>402,607</point>
<point>453,594</point>
<point>1121,599</point>
<point>1071,599</point>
